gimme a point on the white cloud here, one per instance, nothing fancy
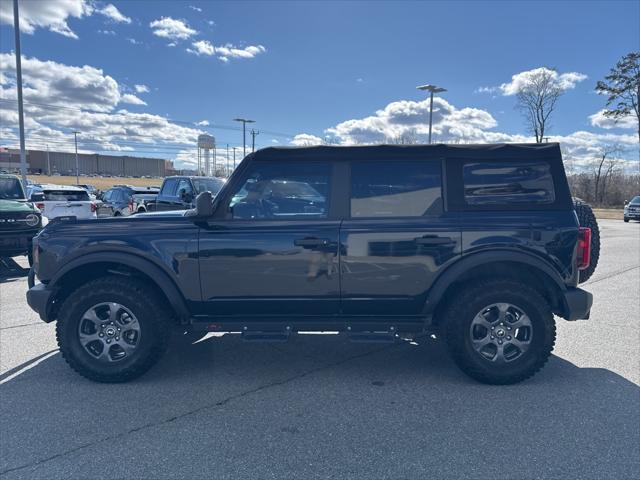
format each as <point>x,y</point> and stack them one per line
<point>599,120</point>
<point>172,29</point>
<point>110,11</point>
<point>197,9</point>
<point>211,23</point>
<point>59,84</point>
<point>132,99</point>
<point>203,123</point>
<point>202,47</point>
<point>406,121</point>
<point>230,51</point>
<point>50,14</point>
<point>60,98</point>
<point>141,88</point>
<point>566,81</point>
<point>225,52</point>
<point>133,41</point>
<point>306,140</point>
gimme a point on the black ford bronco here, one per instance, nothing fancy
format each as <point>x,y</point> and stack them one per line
<point>478,243</point>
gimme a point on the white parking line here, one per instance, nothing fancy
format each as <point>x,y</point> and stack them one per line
<point>29,367</point>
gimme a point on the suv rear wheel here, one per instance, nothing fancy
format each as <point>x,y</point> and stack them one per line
<point>113,329</point>
<point>499,332</point>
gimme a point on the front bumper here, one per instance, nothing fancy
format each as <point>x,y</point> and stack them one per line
<point>38,298</point>
<point>16,243</point>
<point>634,215</point>
<point>577,304</point>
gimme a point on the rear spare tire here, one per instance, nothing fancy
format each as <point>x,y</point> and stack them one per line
<point>588,219</point>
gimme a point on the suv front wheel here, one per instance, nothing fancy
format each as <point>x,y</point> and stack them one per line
<point>499,332</point>
<point>113,329</point>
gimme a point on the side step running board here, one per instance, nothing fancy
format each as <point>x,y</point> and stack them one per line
<point>372,337</point>
<point>256,336</point>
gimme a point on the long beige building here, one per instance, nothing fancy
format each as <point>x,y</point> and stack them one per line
<point>41,161</point>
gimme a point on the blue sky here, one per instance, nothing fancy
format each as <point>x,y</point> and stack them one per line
<point>309,67</point>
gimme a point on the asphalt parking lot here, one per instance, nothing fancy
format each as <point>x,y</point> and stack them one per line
<point>321,407</point>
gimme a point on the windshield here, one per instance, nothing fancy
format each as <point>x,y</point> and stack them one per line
<point>66,196</point>
<point>212,185</point>
<point>635,201</point>
<point>11,189</point>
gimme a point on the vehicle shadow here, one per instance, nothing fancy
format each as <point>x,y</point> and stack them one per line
<point>336,408</point>
<point>10,270</point>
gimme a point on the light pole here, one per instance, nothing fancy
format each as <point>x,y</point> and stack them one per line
<point>433,89</point>
<point>75,138</point>
<point>234,158</point>
<point>253,139</point>
<point>23,151</point>
<point>244,133</point>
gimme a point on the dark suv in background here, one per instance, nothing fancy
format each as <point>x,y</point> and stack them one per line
<point>479,244</point>
<point>124,200</point>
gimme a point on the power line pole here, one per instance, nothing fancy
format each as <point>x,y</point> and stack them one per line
<point>253,139</point>
<point>75,137</point>
<point>48,162</point>
<point>244,133</point>
<point>23,152</point>
<point>227,155</point>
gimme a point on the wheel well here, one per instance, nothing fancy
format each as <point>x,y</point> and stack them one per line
<point>517,271</point>
<point>79,276</point>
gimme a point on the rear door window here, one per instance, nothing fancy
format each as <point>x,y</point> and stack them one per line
<point>66,196</point>
<point>396,189</point>
<point>508,183</point>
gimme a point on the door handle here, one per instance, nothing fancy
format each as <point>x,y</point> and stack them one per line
<point>433,240</point>
<point>310,242</point>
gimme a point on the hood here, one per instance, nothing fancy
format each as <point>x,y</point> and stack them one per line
<point>168,213</point>
<point>16,206</point>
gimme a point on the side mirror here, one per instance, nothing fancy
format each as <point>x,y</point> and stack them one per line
<point>37,197</point>
<point>204,204</point>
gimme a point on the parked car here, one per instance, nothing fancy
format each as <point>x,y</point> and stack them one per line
<point>632,209</point>
<point>93,191</point>
<point>20,220</point>
<point>65,200</point>
<point>179,193</point>
<point>477,243</point>
<point>125,200</point>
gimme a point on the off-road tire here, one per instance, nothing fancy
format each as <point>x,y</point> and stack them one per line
<point>626,219</point>
<point>588,219</point>
<point>475,296</point>
<point>143,301</point>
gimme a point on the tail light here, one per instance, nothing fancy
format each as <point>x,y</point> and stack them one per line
<point>131,205</point>
<point>93,207</point>
<point>584,248</point>
<point>40,206</point>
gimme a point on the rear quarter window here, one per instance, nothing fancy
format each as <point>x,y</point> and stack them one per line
<point>508,183</point>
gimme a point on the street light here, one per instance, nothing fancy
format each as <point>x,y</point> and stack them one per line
<point>75,139</point>
<point>244,133</point>
<point>433,89</point>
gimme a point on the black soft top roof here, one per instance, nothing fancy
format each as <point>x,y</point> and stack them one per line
<point>512,151</point>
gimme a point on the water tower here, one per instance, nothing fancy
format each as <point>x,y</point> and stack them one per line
<point>206,143</point>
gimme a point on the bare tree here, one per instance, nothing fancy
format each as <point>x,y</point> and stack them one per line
<point>603,169</point>
<point>408,137</point>
<point>537,100</point>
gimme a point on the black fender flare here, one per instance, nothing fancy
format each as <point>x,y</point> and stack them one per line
<point>467,262</point>
<point>155,272</point>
